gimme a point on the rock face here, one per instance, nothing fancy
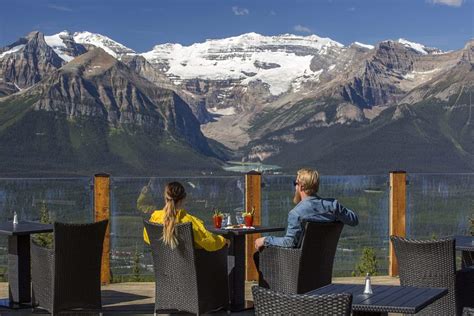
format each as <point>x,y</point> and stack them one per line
<point>98,85</point>
<point>390,71</point>
<point>95,103</point>
<point>26,62</point>
<point>427,128</point>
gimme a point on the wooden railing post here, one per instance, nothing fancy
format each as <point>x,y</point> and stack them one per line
<point>253,184</point>
<point>102,211</point>
<point>397,211</point>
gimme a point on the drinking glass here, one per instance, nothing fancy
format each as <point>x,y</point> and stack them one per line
<point>226,221</point>
<point>239,218</point>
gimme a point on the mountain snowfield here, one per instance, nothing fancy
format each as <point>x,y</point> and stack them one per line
<point>58,43</point>
<point>12,50</point>
<point>247,58</point>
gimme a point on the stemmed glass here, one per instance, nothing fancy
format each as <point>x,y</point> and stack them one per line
<point>239,218</point>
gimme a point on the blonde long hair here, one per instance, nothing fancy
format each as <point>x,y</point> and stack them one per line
<point>174,194</point>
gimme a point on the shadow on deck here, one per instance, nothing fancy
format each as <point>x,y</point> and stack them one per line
<point>137,298</point>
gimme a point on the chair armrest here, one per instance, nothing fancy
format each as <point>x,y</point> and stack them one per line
<point>279,268</point>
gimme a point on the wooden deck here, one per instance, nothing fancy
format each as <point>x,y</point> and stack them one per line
<point>137,298</point>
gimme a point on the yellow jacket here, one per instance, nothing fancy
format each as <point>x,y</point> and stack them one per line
<point>203,239</point>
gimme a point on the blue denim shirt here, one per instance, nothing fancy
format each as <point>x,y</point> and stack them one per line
<point>311,208</point>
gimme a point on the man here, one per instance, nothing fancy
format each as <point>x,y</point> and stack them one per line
<point>309,207</point>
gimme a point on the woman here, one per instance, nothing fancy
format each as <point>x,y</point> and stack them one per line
<point>172,214</point>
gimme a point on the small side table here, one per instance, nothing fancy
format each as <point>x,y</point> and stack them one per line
<point>237,256</point>
<point>19,261</point>
<point>466,245</point>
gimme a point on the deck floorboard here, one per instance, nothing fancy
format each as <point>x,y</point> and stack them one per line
<point>137,298</point>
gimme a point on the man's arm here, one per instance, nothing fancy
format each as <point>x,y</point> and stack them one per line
<point>345,215</point>
<point>293,232</point>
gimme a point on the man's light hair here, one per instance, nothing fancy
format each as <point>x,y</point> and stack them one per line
<point>309,180</point>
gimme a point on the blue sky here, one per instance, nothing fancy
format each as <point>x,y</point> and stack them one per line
<point>140,24</point>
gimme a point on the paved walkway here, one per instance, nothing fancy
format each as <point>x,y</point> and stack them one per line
<point>137,298</point>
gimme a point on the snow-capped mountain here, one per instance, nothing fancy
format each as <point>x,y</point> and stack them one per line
<point>109,45</point>
<point>277,61</point>
<point>65,46</point>
<point>26,62</point>
<point>420,48</point>
<point>262,95</point>
<point>63,42</point>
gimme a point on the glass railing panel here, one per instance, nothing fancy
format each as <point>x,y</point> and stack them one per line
<point>64,199</point>
<point>366,195</point>
<point>130,257</point>
<point>439,205</point>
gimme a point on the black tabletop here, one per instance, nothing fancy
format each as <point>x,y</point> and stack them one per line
<point>24,228</point>
<point>245,231</point>
<point>465,243</point>
<point>386,298</point>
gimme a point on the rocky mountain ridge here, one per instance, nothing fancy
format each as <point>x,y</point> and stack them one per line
<point>259,95</point>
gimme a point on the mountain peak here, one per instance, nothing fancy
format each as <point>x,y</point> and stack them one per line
<point>420,48</point>
<point>95,62</point>
<point>33,35</point>
<point>110,46</point>
<point>64,45</point>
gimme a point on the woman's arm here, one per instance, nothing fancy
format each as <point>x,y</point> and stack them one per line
<point>204,238</point>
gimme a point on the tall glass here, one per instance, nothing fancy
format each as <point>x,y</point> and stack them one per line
<point>239,218</point>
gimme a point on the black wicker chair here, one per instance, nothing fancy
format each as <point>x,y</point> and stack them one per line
<point>431,263</point>
<point>68,275</point>
<point>300,270</point>
<point>268,302</point>
<point>187,279</point>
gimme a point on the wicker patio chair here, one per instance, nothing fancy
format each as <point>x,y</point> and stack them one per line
<point>187,279</point>
<point>431,263</point>
<point>300,270</point>
<point>268,302</point>
<point>468,311</point>
<point>68,275</point>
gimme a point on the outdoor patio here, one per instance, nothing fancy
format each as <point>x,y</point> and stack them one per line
<point>386,205</point>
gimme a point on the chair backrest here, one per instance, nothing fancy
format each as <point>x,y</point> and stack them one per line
<point>418,258</point>
<point>175,269</point>
<point>78,257</point>
<point>318,249</point>
<point>428,263</point>
<point>268,302</point>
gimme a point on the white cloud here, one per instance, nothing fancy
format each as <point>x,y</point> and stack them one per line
<point>240,11</point>
<point>451,3</point>
<point>302,28</point>
<point>59,8</point>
